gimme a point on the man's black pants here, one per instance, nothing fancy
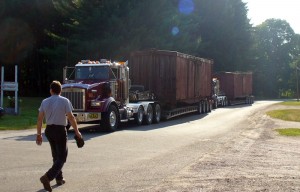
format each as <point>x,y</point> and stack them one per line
<point>57,137</point>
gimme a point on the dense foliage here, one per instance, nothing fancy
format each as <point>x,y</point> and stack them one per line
<point>42,37</point>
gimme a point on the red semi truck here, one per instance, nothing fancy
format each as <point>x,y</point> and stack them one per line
<point>154,84</point>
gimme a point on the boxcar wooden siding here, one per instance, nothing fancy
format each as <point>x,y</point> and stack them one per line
<point>235,84</point>
<point>172,76</point>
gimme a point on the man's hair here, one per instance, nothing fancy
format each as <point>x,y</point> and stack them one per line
<point>55,86</point>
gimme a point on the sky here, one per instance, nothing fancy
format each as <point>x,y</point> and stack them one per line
<point>261,10</point>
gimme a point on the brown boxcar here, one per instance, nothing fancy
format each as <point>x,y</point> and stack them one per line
<point>235,85</point>
<point>175,78</point>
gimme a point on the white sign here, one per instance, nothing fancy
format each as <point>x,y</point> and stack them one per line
<point>9,86</point>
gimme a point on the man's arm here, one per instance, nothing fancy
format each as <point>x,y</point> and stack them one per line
<point>39,138</point>
<point>73,122</point>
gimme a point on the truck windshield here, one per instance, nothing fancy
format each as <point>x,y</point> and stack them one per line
<point>92,72</point>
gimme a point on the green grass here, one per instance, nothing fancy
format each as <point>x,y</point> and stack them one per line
<point>290,103</point>
<point>27,117</point>
<point>286,114</point>
<point>289,131</point>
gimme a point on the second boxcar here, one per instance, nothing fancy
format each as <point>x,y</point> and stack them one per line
<point>236,86</point>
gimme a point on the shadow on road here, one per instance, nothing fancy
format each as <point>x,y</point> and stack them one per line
<point>90,131</point>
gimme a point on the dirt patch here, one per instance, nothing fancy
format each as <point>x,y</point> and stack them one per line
<point>256,159</point>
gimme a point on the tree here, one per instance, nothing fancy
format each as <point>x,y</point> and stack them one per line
<point>66,31</point>
<point>274,49</point>
<point>225,32</point>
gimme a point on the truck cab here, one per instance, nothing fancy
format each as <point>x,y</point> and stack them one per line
<point>99,91</point>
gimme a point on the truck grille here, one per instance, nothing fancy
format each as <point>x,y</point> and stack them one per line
<point>76,96</point>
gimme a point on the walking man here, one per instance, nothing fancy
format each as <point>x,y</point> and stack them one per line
<point>56,110</point>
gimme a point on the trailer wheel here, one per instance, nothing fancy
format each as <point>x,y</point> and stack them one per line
<point>138,117</point>
<point>210,107</point>
<point>200,107</point>
<point>149,115</point>
<point>111,119</point>
<point>157,113</point>
<point>247,100</point>
<point>215,104</point>
<point>205,107</point>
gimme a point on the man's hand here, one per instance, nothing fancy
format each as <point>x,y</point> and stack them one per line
<point>39,139</point>
<point>78,134</point>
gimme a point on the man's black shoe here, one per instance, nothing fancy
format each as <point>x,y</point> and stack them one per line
<point>60,181</point>
<point>46,183</point>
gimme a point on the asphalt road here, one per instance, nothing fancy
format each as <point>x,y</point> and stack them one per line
<point>131,159</point>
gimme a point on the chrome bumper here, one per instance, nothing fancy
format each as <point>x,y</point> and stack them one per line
<point>86,117</point>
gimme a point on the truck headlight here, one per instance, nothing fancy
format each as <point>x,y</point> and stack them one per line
<point>95,103</point>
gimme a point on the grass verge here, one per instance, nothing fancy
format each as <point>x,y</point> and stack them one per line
<point>290,103</point>
<point>27,117</point>
<point>286,114</point>
<point>289,131</point>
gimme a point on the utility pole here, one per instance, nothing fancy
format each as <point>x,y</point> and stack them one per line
<point>297,68</point>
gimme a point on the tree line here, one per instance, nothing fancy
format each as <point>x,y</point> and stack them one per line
<point>42,37</point>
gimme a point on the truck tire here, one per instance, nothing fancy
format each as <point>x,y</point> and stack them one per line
<point>215,104</point>
<point>210,107</point>
<point>138,117</point>
<point>205,107</point>
<point>200,107</point>
<point>157,113</point>
<point>149,115</point>
<point>110,120</point>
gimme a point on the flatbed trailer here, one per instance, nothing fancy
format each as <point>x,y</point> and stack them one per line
<point>180,82</point>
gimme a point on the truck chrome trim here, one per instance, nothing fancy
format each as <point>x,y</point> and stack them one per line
<point>76,96</point>
<point>87,117</point>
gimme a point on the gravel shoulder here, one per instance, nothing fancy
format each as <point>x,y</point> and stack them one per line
<point>256,158</point>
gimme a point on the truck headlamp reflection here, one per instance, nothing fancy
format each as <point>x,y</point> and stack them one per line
<point>95,103</point>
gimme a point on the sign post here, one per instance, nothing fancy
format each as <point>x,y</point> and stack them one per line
<point>10,86</point>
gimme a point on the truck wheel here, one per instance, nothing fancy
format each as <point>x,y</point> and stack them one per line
<point>149,115</point>
<point>200,107</point>
<point>210,107</point>
<point>205,107</point>
<point>215,105</point>
<point>247,100</point>
<point>157,113</point>
<point>111,119</point>
<point>138,117</point>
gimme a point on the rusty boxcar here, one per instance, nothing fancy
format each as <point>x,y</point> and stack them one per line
<point>178,80</point>
<point>236,86</point>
